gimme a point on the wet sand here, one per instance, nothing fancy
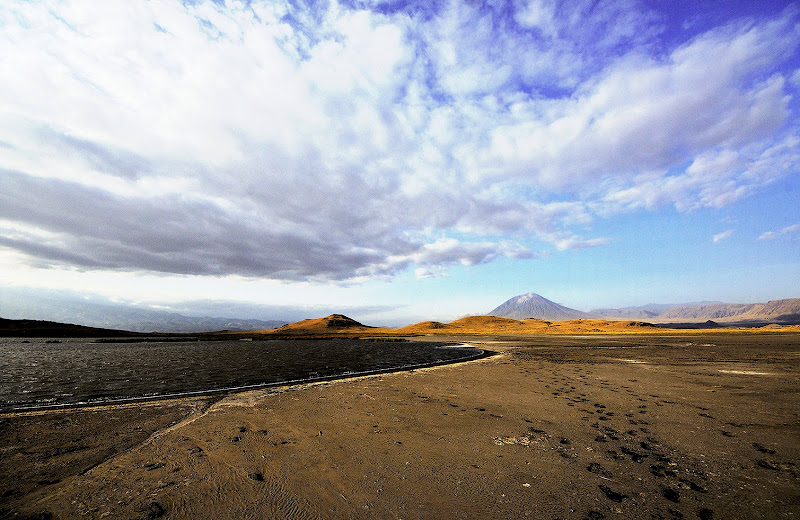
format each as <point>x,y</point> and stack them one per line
<point>595,427</point>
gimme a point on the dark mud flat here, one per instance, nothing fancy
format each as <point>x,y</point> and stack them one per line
<point>599,427</point>
<point>38,373</point>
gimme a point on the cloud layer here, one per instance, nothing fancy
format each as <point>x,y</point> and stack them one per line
<point>332,142</point>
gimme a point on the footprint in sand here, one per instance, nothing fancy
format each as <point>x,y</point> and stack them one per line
<point>659,470</point>
<point>635,456</point>
<point>614,455</point>
<point>611,494</point>
<point>690,484</point>
<point>152,511</point>
<point>763,449</point>
<point>670,494</point>
<point>762,463</point>
<point>598,469</point>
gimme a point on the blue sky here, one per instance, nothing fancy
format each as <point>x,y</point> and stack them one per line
<point>400,160</point>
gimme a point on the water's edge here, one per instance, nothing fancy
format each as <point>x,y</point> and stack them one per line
<point>475,353</point>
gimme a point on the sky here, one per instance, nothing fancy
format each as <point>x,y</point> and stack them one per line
<point>398,160</point>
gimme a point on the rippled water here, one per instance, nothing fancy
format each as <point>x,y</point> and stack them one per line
<point>39,374</point>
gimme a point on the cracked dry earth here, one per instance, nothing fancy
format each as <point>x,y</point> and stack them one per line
<point>592,427</point>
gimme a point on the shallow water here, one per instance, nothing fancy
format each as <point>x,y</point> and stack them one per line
<point>36,373</point>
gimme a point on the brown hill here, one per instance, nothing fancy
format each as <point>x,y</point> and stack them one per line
<point>467,325</point>
<point>602,326</point>
<point>339,325</point>
<point>333,324</point>
<point>496,325</point>
<point>424,327</point>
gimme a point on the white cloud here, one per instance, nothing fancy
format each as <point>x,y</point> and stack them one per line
<point>578,243</point>
<point>788,230</point>
<point>645,115</point>
<point>795,78</point>
<point>448,251</point>
<point>719,237</point>
<point>333,143</point>
<point>429,272</point>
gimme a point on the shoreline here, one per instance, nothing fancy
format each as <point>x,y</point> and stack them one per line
<point>692,427</point>
<point>246,388</point>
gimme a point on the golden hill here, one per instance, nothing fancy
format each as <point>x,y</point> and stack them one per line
<point>496,325</point>
<point>337,324</point>
<point>340,325</point>
<point>333,324</point>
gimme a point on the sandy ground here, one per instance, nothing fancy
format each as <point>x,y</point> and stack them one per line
<point>552,427</point>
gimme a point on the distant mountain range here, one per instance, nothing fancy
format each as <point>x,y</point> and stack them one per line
<point>64,307</point>
<point>532,305</point>
<point>776,311</point>
<point>58,307</point>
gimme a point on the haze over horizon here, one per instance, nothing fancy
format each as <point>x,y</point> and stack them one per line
<point>403,160</point>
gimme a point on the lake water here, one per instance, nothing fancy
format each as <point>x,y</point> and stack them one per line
<point>39,374</point>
